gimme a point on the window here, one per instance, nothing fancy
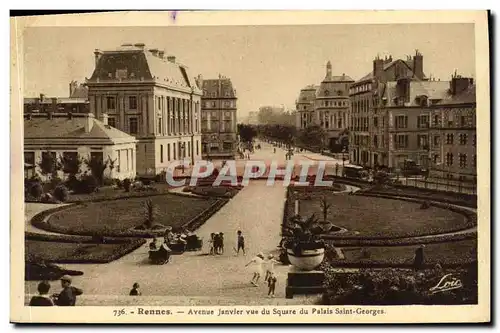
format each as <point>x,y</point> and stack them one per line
<point>422,141</point>
<point>462,160</point>
<point>436,159</point>
<point>449,139</point>
<point>227,104</point>
<point>401,141</point>
<point>214,114</point>
<point>168,151</point>
<point>436,120</point>
<point>161,153</point>
<point>227,114</point>
<point>423,121</point>
<point>449,159</point>
<point>158,102</point>
<point>132,102</point>
<point>437,141</point>
<point>97,156</point>
<point>213,104</point>
<point>463,139</point>
<point>112,121</point>
<point>375,141</point>
<point>227,146</point>
<point>160,128</point>
<point>132,126</point>
<point>197,147</point>
<point>207,104</point>
<point>401,121</point>
<point>111,103</point>
<point>463,121</point>
<point>375,122</point>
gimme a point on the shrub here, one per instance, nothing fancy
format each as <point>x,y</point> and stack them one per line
<point>61,193</point>
<point>72,183</point>
<point>108,181</point>
<point>118,183</point>
<point>36,190</point>
<point>88,184</point>
<point>127,184</point>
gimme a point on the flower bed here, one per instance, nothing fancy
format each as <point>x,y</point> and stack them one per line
<point>446,254</point>
<point>65,252</point>
<point>213,191</point>
<point>61,238</point>
<point>385,218</point>
<point>116,218</point>
<point>350,242</point>
<point>398,287</point>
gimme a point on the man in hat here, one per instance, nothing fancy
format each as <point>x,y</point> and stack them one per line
<point>67,297</point>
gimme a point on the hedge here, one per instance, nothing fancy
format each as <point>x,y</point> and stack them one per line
<point>63,238</point>
<point>401,241</point>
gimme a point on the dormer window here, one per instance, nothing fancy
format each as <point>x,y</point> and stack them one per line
<point>327,92</point>
<point>339,92</point>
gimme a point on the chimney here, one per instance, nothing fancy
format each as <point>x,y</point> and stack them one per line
<point>97,55</point>
<point>154,52</point>
<point>140,45</point>
<point>418,65</point>
<point>89,122</point>
<point>104,118</point>
<point>171,59</point>
<point>378,68</point>
<point>459,84</point>
<point>161,54</point>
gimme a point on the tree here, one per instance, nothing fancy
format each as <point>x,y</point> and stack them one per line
<point>48,164</point>
<point>97,166</point>
<point>246,132</point>
<point>313,136</point>
<point>325,206</point>
<point>70,164</point>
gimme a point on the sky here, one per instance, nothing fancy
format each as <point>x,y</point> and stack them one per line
<point>268,65</point>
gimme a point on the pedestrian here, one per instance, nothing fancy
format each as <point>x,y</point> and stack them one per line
<point>152,245</point>
<point>271,284</point>
<point>270,262</point>
<point>42,299</point>
<point>221,240</point>
<point>67,297</point>
<point>241,243</point>
<point>256,263</point>
<point>135,290</point>
<point>217,244</point>
<point>211,243</point>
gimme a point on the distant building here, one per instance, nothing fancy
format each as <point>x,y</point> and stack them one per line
<point>219,119</point>
<point>452,134</point>
<point>305,115</point>
<point>77,136</point>
<point>331,107</point>
<point>253,118</point>
<point>151,96</point>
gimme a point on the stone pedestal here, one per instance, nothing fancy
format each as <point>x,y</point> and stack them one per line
<point>304,283</point>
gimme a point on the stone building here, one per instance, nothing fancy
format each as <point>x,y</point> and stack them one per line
<point>151,96</point>
<point>305,115</point>
<point>385,108</point>
<point>77,136</point>
<point>218,118</point>
<point>453,132</point>
<point>331,107</point>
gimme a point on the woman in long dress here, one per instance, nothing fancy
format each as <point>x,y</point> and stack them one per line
<point>257,270</point>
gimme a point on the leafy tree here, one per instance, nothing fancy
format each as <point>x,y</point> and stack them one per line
<point>97,166</point>
<point>247,132</point>
<point>313,136</point>
<point>70,164</point>
<point>325,206</point>
<point>48,164</point>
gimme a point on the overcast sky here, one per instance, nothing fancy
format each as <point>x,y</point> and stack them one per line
<point>267,64</point>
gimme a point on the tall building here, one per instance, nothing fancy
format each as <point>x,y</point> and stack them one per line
<point>218,118</point>
<point>305,107</point>
<point>453,132</point>
<point>331,106</point>
<point>390,109</point>
<point>152,97</point>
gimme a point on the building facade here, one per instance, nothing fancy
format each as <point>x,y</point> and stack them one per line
<point>77,136</point>
<point>219,119</point>
<point>151,96</point>
<point>453,132</point>
<point>385,108</point>
<point>331,107</point>
<point>305,115</point>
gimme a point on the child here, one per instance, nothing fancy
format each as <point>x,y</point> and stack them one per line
<point>135,290</point>
<point>270,266</point>
<point>241,243</point>
<point>42,299</point>
<point>271,283</point>
<point>152,245</point>
<point>221,242</point>
<point>257,262</point>
<point>211,243</point>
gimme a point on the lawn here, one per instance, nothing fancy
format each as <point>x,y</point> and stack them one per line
<point>380,217</point>
<point>120,215</point>
<point>56,252</point>
<point>443,253</point>
<point>110,193</point>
